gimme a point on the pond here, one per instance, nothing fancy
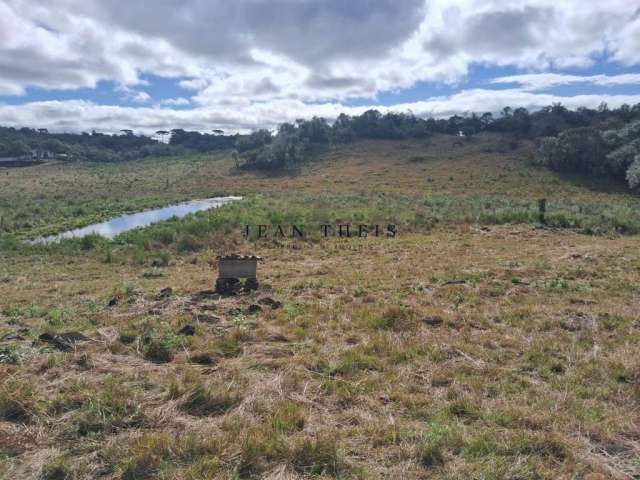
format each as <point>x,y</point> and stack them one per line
<point>111,228</point>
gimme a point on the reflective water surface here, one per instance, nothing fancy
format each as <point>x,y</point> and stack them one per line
<point>117,225</point>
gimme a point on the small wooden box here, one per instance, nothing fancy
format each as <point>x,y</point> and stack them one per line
<point>237,266</point>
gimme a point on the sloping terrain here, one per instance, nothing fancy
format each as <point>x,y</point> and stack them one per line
<point>459,349</point>
<point>53,197</point>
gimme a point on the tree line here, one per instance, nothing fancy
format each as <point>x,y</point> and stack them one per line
<point>594,152</point>
<point>590,141</point>
<point>601,141</point>
<point>94,146</point>
<point>102,147</point>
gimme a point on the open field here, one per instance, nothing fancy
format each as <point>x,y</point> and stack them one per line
<point>474,345</point>
<point>50,198</point>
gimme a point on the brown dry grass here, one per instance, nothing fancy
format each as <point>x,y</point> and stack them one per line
<point>466,352</point>
<point>501,353</point>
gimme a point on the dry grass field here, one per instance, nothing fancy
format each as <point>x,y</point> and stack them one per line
<point>461,350</point>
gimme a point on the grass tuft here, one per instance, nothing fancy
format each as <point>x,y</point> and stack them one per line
<point>317,456</point>
<point>210,400</point>
<point>434,444</point>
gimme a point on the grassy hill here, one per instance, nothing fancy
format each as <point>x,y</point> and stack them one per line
<point>484,170</point>
<point>474,345</point>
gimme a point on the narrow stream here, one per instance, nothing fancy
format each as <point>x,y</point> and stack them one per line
<point>111,228</point>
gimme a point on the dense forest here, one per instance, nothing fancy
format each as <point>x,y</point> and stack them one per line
<point>594,142</point>
<point>600,141</point>
<point>93,147</point>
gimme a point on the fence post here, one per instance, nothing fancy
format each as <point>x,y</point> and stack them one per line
<point>542,209</point>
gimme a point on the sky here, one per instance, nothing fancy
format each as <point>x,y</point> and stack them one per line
<point>106,65</point>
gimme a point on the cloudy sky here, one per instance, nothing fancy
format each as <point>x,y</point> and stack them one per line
<point>73,65</point>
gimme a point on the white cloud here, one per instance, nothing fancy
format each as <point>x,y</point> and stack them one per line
<point>484,100</point>
<point>141,97</point>
<point>257,57</point>
<point>78,115</point>
<point>136,96</point>
<point>194,83</point>
<point>540,81</point>
<point>626,44</point>
<point>175,102</point>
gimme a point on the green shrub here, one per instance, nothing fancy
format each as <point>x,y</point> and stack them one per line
<point>163,258</point>
<point>160,344</point>
<point>188,243</point>
<point>435,442</point>
<point>9,354</point>
<point>88,242</point>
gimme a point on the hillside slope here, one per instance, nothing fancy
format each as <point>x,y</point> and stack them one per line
<point>50,198</point>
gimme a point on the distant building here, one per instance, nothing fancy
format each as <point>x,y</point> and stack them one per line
<point>39,154</point>
<point>36,156</point>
